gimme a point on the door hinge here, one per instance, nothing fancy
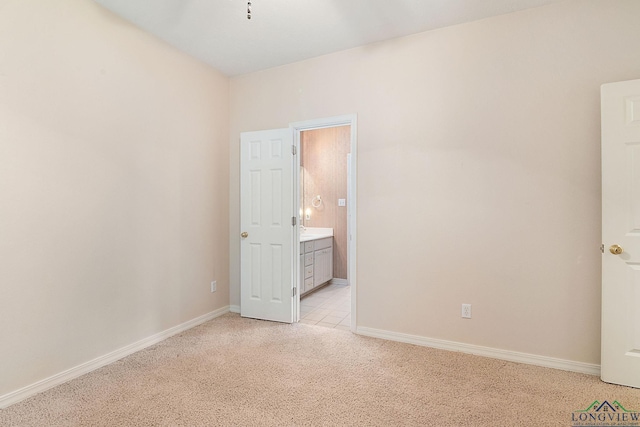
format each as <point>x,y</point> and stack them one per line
<point>293,221</point>
<point>294,291</point>
<point>602,248</point>
<point>293,150</point>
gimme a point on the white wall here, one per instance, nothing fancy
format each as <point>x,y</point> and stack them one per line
<point>478,170</point>
<point>113,187</point>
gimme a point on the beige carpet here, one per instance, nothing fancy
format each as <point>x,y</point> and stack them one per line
<point>239,372</point>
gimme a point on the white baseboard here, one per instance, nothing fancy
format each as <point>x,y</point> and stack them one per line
<point>335,281</point>
<point>234,308</point>
<point>62,377</point>
<point>511,356</point>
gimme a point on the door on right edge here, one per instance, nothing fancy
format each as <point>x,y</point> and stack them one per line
<point>620,357</point>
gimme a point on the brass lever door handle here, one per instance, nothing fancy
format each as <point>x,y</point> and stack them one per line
<point>616,249</point>
<point>244,234</point>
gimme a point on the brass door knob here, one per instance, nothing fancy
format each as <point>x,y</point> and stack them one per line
<point>244,234</point>
<point>616,250</point>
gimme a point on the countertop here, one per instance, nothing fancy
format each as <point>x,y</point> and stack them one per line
<point>315,233</point>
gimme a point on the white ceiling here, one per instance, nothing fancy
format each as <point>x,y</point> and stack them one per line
<point>284,31</point>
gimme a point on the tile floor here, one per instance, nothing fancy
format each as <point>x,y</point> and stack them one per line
<point>329,307</point>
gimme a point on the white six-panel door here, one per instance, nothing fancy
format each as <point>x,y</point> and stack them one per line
<point>266,210</point>
<point>621,233</point>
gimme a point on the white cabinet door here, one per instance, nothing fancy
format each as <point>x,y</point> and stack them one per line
<point>329,270</point>
<point>621,226</point>
<point>267,239</point>
<point>323,266</point>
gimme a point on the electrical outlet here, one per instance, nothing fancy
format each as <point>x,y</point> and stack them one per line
<point>214,286</point>
<point>466,311</point>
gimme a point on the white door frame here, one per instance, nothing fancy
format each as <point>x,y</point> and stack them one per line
<point>329,122</point>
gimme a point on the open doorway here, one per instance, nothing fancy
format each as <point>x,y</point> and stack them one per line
<point>326,190</point>
<point>271,246</point>
<point>324,286</point>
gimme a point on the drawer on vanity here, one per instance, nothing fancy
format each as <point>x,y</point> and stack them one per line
<point>308,259</point>
<point>308,271</point>
<point>308,246</point>
<point>325,243</point>
<point>308,284</point>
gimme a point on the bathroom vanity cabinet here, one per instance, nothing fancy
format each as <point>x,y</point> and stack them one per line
<point>316,263</point>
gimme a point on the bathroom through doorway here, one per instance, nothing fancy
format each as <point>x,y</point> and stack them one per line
<point>326,190</point>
